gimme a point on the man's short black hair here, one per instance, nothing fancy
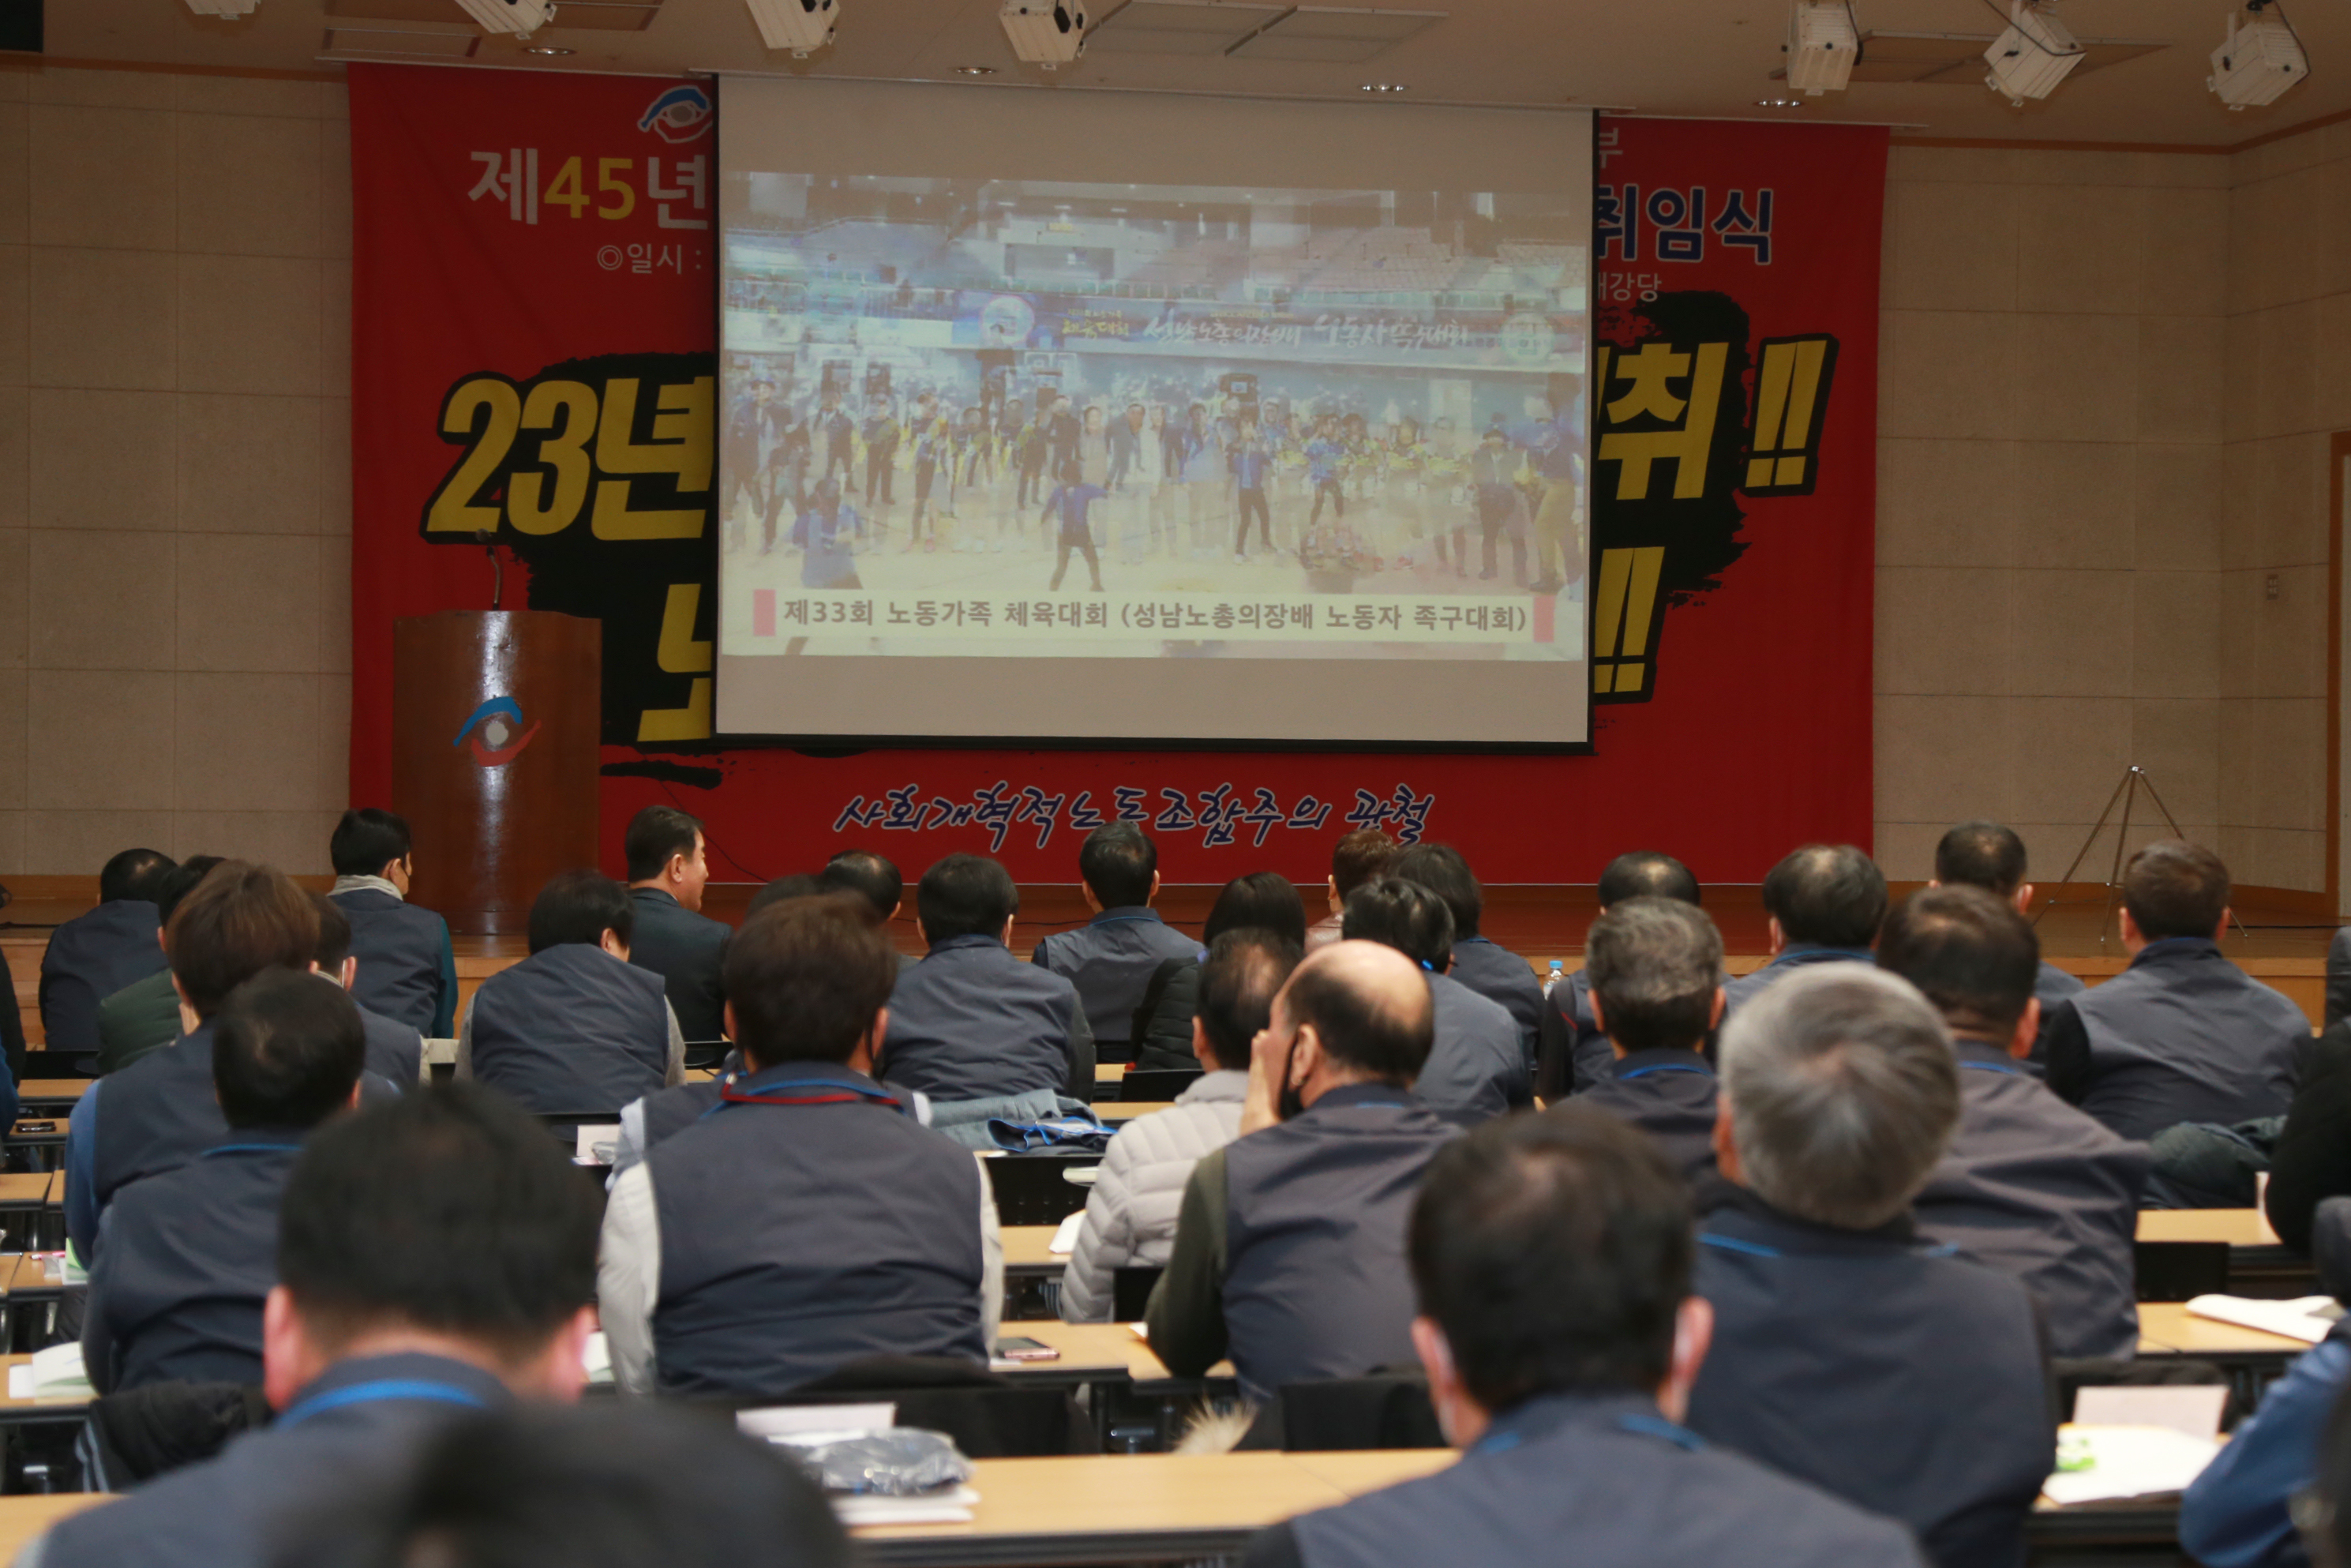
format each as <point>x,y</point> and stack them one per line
<point>2174,888</point>
<point>805,979</point>
<point>1403,916</point>
<point>287,1048</point>
<point>334,933</point>
<point>449,1210</point>
<point>1647,874</point>
<point>1118,860</point>
<point>1831,896</point>
<point>1654,965</point>
<point>580,906</point>
<point>597,1485</point>
<point>655,835</point>
<point>1981,854</point>
<point>367,839</point>
<point>1266,900</point>
<point>133,874</point>
<point>1358,1027</point>
<point>1441,869</point>
<point>784,889</point>
<point>1554,1252</point>
<point>1244,969</point>
<point>178,882</point>
<point>1968,951</point>
<point>965,896</point>
<point>871,876</point>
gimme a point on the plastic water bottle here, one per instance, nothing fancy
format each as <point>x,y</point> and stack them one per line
<point>1558,973</point>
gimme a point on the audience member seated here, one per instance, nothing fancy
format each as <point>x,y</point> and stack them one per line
<point>1848,1353</point>
<point>1991,856</point>
<point>1163,1035</point>
<point>1552,1260</point>
<point>2243,1510</point>
<point>409,971</point>
<point>1478,962</point>
<point>1130,1217</point>
<point>93,956</point>
<point>800,885</point>
<point>874,878</point>
<point>575,1027</point>
<point>160,1113</point>
<point>971,1021</point>
<point>436,1257</point>
<point>2182,1035</point>
<point>1475,1068</point>
<point>2030,1184</point>
<point>1289,1241</point>
<point>2311,1161</point>
<point>395,1053</point>
<point>595,1484</point>
<point>808,1220</point>
<point>1575,1051</point>
<point>1109,959</point>
<point>667,872</point>
<point>188,1256</point>
<point>144,1016</point>
<point>1826,902</point>
<point>1655,968</point>
<point>1355,858</point>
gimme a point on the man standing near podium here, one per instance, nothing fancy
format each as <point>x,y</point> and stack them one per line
<point>667,873</point>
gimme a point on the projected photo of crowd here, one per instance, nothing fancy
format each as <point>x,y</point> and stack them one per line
<point>1023,387</point>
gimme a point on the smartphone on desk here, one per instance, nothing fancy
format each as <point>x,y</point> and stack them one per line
<point>37,1127</point>
<point>1019,1347</point>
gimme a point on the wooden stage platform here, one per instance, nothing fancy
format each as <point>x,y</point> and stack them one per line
<point>2285,946</point>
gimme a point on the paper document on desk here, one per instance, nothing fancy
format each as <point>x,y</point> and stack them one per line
<point>950,1506</point>
<point>2103,1464</point>
<point>2306,1318</point>
<point>1065,1236</point>
<point>55,1372</point>
<point>596,1359</point>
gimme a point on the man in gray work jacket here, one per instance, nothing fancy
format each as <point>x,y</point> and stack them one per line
<point>96,954</point>
<point>1290,1242</point>
<point>1110,958</point>
<point>1477,1067</point>
<point>1825,902</point>
<point>1486,967</point>
<point>1991,856</point>
<point>807,1220</point>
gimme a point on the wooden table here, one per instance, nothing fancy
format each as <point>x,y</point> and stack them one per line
<point>2237,1227</point>
<point>58,1094</point>
<point>1098,1347</point>
<point>23,1517</point>
<point>1028,1250</point>
<point>1126,1111</point>
<point>15,1412</point>
<point>2251,1358</point>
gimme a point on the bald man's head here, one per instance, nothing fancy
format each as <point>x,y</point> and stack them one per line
<point>1368,1004</point>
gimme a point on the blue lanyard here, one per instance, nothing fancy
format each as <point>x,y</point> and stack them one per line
<point>250,1149</point>
<point>2012,1072</point>
<point>382,1390</point>
<point>1660,1067</point>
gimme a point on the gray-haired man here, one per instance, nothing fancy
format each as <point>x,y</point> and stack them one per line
<point>1848,1353</point>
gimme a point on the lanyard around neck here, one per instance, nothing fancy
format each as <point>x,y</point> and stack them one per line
<point>378,1391</point>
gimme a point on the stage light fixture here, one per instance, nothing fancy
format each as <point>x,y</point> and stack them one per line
<point>1824,41</point>
<point>2032,56</point>
<point>232,9</point>
<point>975,71</point>
<point>1048,33</point>
<point>2258,60</point>
<point>798,25</point>
<point>520,17</point>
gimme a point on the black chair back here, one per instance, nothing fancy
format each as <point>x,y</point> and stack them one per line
<point>1130,1293</point>
<point>1030,1188</point>
<point>2181,1270</point>
<point>702,1054</point>
<point>1384,1410</point>
<point>988,1417</point>
<point>1156,1085</point>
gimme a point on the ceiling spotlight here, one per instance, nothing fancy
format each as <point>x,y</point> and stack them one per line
<point>1384,87</point>
<point>2032,56</point>
<point>229,8</point>
<point>520,17</point>
<point>975,71</point>
<point>547,49</point>
<point>1823,43</point>
<point>798,25</point>
<point>2258,62</point>
<point>1048,33</point>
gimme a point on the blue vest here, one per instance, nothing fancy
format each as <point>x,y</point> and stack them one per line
<point>189,1256</point>
<point>805,1223</point>
<point>1904,1379</point>
<point>399,948</point>
<point>1500,975</point>
<point>1602,1480</point>
<point>1476,1067</point>
<point>571,1028</point>
<point>395,1053</point>
<point>1110,959</point>
<point>972,1022</point>
<point>1670,1095</point>
<point>2184,1035</point>
<point>89,959</point>
<point>1316,1282</point>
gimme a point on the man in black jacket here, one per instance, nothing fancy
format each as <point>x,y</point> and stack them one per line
<point>667,873</point>
<point>93,956</point>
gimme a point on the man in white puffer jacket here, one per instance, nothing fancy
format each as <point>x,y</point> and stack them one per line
<point>1131,1215</point>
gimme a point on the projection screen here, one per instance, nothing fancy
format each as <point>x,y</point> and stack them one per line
<point>1093,417</point>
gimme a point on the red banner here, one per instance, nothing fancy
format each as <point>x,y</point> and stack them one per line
<point>535,355</point>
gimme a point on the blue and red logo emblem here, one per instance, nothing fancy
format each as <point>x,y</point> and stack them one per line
<point>495,732</point>
<point>680,114</point>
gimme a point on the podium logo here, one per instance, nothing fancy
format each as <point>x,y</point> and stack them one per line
<point>681,114</point>
<point>495,732</point>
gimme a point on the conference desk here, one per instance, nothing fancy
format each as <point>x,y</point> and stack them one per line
<point>2258,1263</point>
<point>23,1517</point>
<point>41,1096</point>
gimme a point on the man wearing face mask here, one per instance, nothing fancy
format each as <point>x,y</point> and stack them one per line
<point>1290,1246</point>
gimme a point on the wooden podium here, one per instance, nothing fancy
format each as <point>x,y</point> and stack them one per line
<point>495,731</point>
